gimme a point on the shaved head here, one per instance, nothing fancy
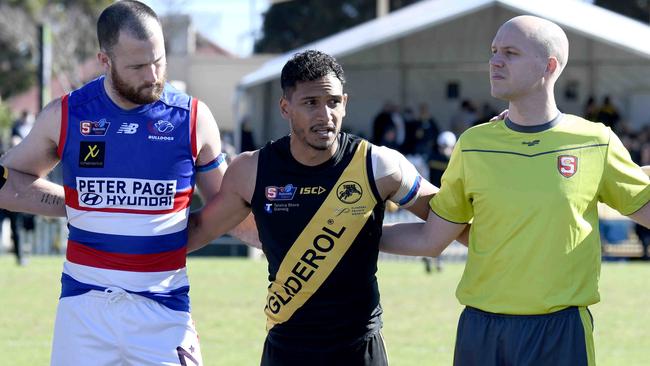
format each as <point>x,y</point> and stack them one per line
<point>547,37</point>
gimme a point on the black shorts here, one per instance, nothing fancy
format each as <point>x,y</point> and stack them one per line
<point>562,338</point>
<point>370,352</point>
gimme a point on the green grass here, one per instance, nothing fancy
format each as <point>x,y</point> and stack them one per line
<point>420,311</point>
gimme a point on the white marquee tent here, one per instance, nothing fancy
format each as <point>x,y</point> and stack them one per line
<point>414,54</point>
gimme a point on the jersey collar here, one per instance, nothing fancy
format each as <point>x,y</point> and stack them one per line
<point>537,128</point>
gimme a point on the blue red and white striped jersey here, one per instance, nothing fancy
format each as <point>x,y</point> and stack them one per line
<point>128,177</point>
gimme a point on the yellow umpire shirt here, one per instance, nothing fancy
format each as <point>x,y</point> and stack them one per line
<point>532,192</point>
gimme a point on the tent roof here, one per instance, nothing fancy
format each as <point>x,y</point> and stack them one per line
<point>578,16</point>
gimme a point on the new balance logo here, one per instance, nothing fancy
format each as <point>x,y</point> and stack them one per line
<point>530,143</point>
<point>128,128</point>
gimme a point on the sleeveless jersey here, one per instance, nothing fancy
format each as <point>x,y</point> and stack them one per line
<point>128,178</point>
<point>320,228</point>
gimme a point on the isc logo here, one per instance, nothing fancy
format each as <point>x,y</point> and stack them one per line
<point>312,190</point>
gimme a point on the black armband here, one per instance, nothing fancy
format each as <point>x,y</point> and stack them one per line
<point>3,177</point>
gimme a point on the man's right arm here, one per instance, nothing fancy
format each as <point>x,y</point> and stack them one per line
<point>229,207</point>
<point>26,193</point>
<point>31,160</point>
<point>427,239</point>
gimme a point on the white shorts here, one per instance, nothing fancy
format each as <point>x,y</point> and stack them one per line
<point>118,328</point>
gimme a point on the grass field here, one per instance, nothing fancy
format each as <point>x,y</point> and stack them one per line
<point>420,311</point>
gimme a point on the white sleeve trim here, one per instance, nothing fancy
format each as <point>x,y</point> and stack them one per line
<point>385,162</point>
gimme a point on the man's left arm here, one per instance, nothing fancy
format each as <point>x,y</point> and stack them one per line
<point>210,162</point>
<point>642,216</point>
<point>211,166</point>
<point>625,186</point>
<point>409,190</point>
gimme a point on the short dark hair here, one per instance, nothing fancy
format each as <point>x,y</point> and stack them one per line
<point>309,66</point>
<point>127,15</point>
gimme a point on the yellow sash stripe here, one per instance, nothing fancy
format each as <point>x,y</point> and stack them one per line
<point>323,242</point>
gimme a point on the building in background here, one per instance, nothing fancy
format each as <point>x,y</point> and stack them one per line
<point>437,51</point>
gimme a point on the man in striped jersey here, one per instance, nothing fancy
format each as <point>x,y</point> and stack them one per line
<point>131,149</point>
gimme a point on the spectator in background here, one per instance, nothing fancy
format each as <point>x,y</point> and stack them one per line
<point>247,138</point>
<point>464,117</point>
<point>643,233</point>
<point>382,122</point>
<point>426,131</point>
<point>389,139</point>
<point>487,112</point>
<point>410,127</point>
<point>389,118</point>
<point>608,114</point>
<point>438,160</point>
<point>21,127</point>
<point>20,221</point>
<point>590,112</point>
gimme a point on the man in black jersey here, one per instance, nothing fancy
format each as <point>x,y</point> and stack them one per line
<point>318,199</point>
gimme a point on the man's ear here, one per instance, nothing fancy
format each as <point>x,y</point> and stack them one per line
<point>104,60</point>
<point>284,107</point>
<point>552,66</point>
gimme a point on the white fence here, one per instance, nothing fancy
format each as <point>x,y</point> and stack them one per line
<point>48,237</point>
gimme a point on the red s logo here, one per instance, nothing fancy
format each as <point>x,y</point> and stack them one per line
<point>85,127</point>
<point>271,192</point>
<point>567,165</point>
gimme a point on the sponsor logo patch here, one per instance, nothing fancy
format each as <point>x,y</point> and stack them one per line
<point>349,192</point>
<point>567,165</point>
<point>127,193</point>
<point>91,199</point>
<point>128,128</point>
<point>285,193</point>
<point>530,143</point>
<point>312,190</point>
<point>94,128</point>
<point>91,154</point>
<point>340,211</point>
<point>161,130</point>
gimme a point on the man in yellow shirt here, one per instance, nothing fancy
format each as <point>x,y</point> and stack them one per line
<point>530,184</point>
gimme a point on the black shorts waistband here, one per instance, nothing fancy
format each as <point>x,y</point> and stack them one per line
<point>567,310</point>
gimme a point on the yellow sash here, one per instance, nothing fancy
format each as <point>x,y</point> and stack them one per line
<point>323,242</point>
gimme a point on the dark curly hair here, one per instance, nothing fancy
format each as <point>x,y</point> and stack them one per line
<point>308,66</point>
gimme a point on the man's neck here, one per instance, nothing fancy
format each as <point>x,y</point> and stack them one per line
<point>532,111</point>
<point>115,97</point>
<point>309,156</point>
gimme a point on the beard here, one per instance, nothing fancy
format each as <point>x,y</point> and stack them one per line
<point>144,94</point>
<point>316,145</point>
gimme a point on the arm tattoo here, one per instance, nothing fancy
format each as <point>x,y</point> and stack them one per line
<point>50,199</point>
